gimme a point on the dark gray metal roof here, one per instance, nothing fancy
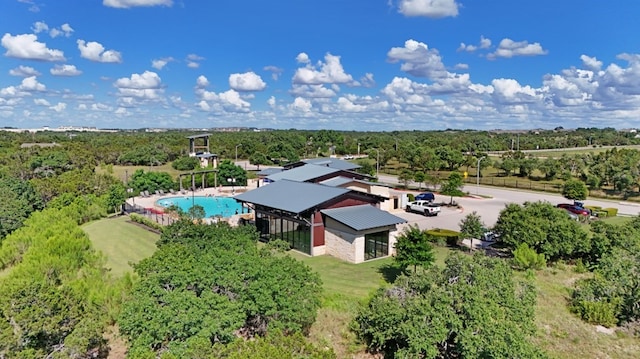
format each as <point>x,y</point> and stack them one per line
<point>303,173</point>
<point>199,136</point>
<point>291,196</point>
<point>269,171</point>
<point>363,217</point>
<point>332,162</point>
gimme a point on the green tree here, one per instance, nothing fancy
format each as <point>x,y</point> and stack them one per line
<point>546,229</point>
<point>196,212</point>
<point>405,176</point>
<point>452,187</point>
<point>575,190</point>
<point>258,159</point>
<point>413,249</point>
<point>471,308</point>
<point>472,227</point>
<point>227,171</point>
<point>185,163</point>
<point>419,177</point>
<point>116,196</point>
<point>212,284</point>
<point>18,199</point>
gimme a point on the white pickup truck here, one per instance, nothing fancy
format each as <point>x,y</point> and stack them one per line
<point>425,207</point>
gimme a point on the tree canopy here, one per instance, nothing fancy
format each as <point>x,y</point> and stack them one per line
<point>472,308</point>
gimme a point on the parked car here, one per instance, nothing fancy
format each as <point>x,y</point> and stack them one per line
<point>426,196</point>
<point>425,207</point>
<point>575,209</point>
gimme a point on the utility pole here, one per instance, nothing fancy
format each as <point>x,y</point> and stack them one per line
<point>377,162</point>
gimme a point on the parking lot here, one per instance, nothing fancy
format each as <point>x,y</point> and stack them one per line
<point>489,201</point>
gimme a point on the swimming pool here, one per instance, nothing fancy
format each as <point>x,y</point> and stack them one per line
<point>224,206</point>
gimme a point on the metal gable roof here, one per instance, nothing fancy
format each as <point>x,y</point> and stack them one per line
<point>332,162</point>
<point>337,181</point>
<point>291,196</point>
<point>363,217</point>
<point>303,173</point>
<point>269,171</point>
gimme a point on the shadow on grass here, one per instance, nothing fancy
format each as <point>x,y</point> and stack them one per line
<point>389,272</point>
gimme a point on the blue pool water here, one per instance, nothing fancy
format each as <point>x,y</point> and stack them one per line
<point>224,206</point>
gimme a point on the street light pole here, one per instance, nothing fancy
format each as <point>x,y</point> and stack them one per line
<point>377,161</point>
<point>478,174</point>
<point>238,145</point>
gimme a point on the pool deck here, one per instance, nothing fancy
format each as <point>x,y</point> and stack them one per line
<point>150,202</point>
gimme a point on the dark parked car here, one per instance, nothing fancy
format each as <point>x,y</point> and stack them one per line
<point>426,196</point>
<point>575,209</point>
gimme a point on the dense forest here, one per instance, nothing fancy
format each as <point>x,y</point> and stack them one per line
<point>212,291</point>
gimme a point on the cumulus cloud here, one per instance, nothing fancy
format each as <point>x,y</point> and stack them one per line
<point>125,4</point>
<point>328,72</point>
<point>302,58</point>
<point>193,61</point>
<point>159,64</point>
<point>65,70</point>
<point>509,48</point>
<point>484,44</point>
<point>301,105</point>
<point>591,63</point>
<point>228,101</point>
<point>202,82</point>
<point>59,107</point>
<point>31,84</point>
<point>94,51</point>
<point>418,60</point>
<point>247,81</point>
<point>139,87</point>
<point>27,47</point>
<point>39,26</point>
<point>312,91</point>
<point>41,102</point>
<point>428,8</point>
<point>65,30</point>
<point>24,71</point>
<point>275,71</point>
<point>509,91</point>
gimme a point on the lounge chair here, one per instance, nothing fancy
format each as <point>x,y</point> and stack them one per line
<point>162,192</point>
<point>157,192</point>
<point>145,193</point>
<point>172,191</point>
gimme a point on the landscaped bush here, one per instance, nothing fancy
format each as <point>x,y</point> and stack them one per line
<point>602,313</point>
<point>411,197</point>
<point>600,213</point>
<point>146,221</point>
<point>611,212</point>
<point>525,257</point>
<point>439,235</point>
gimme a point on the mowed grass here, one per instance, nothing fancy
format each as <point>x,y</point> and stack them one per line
<point>124,172</point>
<point>123,243</point>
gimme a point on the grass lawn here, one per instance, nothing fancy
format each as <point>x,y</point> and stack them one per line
<point>121,172</point>
<point>121,242</point>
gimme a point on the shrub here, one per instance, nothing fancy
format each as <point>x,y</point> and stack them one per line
<point>525,257</point>
<point>611,212</point>
<point>146,221</point>
<point>437,235</point>
<point>600,213</point>
<point>580,267</point>
<point>597,312</point>
<point>411,197</point>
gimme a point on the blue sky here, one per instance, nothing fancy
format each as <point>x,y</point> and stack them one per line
<point>370,65</point>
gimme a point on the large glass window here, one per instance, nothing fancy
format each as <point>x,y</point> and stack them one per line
<point>297,233</point>
<point>376,245</point>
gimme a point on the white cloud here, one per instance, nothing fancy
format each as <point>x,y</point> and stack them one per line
<point>301,105</point>
<point>65,70</point>
<point>41,102</point>
<point>271,102</point>
<point>418,60</point>
<point>159,64</point>
<point>193,61</point>
<point>148,80</point>
<point>484,44</point>
<point>125,4</point>
<point>59,107</point>
<point>27,47</point>
<point>65,30</point>
<point>509,48</point>
<point>39,27</point>
<point>275,71</point>
<point>202,82</point>
<point>428,8</point>
<point>247,81</point>
<point>228,101</point>
<point>31,84</point>
<point>94,51</point>
<point>509,91</point>
<point>591,63</point>
<point>312,91</point>
<point>302,58</point>
<point>329,72</point>
<point>24,71</point>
